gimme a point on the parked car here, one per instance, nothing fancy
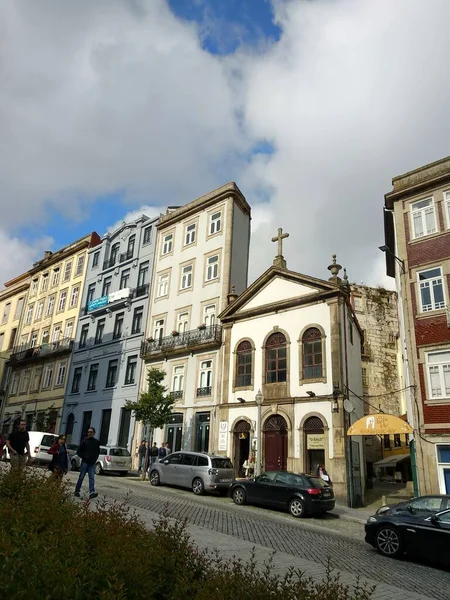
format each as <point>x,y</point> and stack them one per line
<point>423,505</point>
<point>40,442</point>
<point>75,460</point>
<point>113,459</point>
<point>300,494</point>
<point>195,470</point>
<point>396,533</point>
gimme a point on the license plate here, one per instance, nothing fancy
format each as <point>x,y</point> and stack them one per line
<point>327,493</point>
<point>226,480</point>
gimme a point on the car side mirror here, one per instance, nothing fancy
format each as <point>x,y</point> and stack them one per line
<point>435,520</point>
<point>166,462</point>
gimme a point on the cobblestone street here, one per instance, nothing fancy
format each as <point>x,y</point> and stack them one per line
<point>315,540</point>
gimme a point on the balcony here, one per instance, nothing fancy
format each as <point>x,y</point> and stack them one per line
<point>196,339</point>
<point>204,391</point>
<point>110,262</point>
<point>27,353</point>
<point>176,395</point>
<point>141,290</point>
<point>109,302</point>
<point>125,256</point>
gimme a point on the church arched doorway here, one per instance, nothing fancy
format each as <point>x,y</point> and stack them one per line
<point>314,443</point>
<point>241,434</point>
<point>275,443</point>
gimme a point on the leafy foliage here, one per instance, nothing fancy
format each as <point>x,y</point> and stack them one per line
<point>153,408</point>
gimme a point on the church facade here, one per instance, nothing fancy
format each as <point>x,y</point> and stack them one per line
<point>292,361</point>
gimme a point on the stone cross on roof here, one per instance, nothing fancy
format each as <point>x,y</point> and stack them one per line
<point>279,259</point>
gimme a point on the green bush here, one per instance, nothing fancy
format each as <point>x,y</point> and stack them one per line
<point>54,548</point>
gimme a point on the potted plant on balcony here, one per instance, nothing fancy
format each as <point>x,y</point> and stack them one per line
<point>175,333</point>
<point>202,326</point>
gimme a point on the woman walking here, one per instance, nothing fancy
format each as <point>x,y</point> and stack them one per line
<point>60,458</point>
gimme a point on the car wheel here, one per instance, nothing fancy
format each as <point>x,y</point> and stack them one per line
<point>98,469</point>
<point>74,465</point>
<point>238,496</point>
<point>154,478</point>
<point>297,508</point>
<point>197,486</point>
<point>388,541</point>
<point>123,473</point>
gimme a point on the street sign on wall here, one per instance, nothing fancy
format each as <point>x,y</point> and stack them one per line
<point>223,435</point>
<point>98,303</point>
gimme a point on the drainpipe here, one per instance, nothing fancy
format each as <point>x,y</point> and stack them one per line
<point>349,453</point>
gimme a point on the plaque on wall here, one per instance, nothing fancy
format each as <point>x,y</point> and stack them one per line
<point>315,441</point>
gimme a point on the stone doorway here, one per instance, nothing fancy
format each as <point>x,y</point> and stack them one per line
<point>275,444</point>
<point>314,444</point>
<point>241,435</point>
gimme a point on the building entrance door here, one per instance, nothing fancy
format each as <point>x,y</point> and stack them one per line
<point>174,432</point>
<point>275,444</point>
<point>241,437</point>
<point>314,444</point>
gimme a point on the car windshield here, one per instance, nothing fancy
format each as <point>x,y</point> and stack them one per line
<point>317,482</point>
<point>221,463</point>
<point>119,452</point>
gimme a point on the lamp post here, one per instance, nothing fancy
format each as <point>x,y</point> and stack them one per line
<point>258,400</point>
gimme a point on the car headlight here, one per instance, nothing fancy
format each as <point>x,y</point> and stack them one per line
<point>372,520</point>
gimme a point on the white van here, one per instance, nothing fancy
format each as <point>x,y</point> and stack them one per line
<point>40,442</point>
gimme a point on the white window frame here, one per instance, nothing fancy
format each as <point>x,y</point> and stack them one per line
<point>206,373</point>
<point>29,316</point>
<point>23,340</point>
<point>6,313</point>
<point>186,277</point>
<point>158,329</point>
<point>215,224</point>
<point>55,276</point>
<point>183,322</point>
<point>447,208</point>
<point>44,284</point>
<point>167,244</point>
<point>431,283</point>
<point>48,377</point>
<point>68,330</point>
<point>422,215</point>
<point>212,267</point>
<point>80,265</point>
<point>209,315</point>
<point>190,233</point>
<point>441,369</point>
<point>39,310</point>
<point>178,378</point>
<point>74,296</point>
<point>36,380</point>
<point>61,374</point>
<point>25,382</point>
<point>62,301</point>
<point>68,270</point>
<point>50,305</point>
<point>34,285</point>
<point>15,383</point>
<point>56,333</point>
<point>163,285</point>
<point>45,331</point>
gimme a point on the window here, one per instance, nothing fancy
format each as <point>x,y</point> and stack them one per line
<point>276,364</point>
<point>178,379</point>
<point>39,310</point>
<point>159,329</point>
<point>130,375</point>
<point>61,374</point>
<point>50,305</point>
<point>34,286</point>
<point>244,356</point>
<point>48,376</point>
<point>215,223</point>
<point>62,300</point>
<point>118,326</point>
<point>423,218</point>
<point>124,279</point>
<point>104,428</point>
<point>189,234</point>
<point>431,290</point>
<point>106,286</point>
<point>67,270</point>
<point>25,382</point>
<point>15,383</point>
<point>19,308</point>
<point>312,353</point>
<point>438,369</point>
<point>68,330</point>
<point>33,339</point>
<point>183,322</point>
<point>167,244</point>
<point>209,315</point>
<point>212,268</point>
<point>163,285</point>
<point>29,316</point>
<point>186,277</point>
<point>44,284</point>
<point>90,293</point>
<point>84,335</point>
<point>387,441</point>
<point>74,296</point>
<point>137,320</point>
<point>95,259</point>
<point>113,256</point>
<point>12,339</point>
<point>92,381</point>
<point>447,207</point>
<point>36,381</point>
<point>143,274</point>
<point>205,378</point>
<point>56,333</point>
<point>6,313</point>
<point>130,249</point>
<point>99,331</point>
<point>147,235</point>
<point>55,276</point>
<point>45,335</point>
<point>397,440</point>
<point>80,266</point>
<point>111,376</point>
<point>23,340</point>
<point>364,376</point>
<point>76,380</point>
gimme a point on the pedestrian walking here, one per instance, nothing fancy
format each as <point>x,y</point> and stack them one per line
<point>153,453</point>
<point>162,451</point>
<point>88,451</point>
<point>19,441</point>
<point>141,453</point>
<point>322,473</point>
<point>168,449</point>
<point>60,462</point>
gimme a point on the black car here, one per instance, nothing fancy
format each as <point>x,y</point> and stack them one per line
<point>424,536</point>
<point>299,494</point>
<point>422,505</point>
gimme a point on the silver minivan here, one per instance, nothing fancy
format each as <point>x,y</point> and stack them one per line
<point>195,470</point>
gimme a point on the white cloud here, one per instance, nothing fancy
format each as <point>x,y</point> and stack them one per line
<point>17,256</point>
<point>132,215</point>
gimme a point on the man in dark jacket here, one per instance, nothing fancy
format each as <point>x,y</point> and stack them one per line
<point>88,451</point>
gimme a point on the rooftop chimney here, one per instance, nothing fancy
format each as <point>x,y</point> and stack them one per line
<point>232,295</point>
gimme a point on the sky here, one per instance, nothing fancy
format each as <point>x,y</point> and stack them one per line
<point>113,108</point>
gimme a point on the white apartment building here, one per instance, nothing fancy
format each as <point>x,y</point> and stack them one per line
<point>201,253</point>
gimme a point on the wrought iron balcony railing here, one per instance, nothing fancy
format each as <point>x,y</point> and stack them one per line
<point>125,256</point>
<point>141,290</point>
<point>204,391</point>
<point>28,352</point>
<point>189,340</point>
<point>110,262</point>
<point>177,395</point>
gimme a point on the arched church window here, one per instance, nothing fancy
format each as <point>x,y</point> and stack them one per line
<point>276,360</point>
<point>312,354</point>
<point>244,358</point>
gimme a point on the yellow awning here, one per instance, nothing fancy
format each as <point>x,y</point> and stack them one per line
<point>380,424</point>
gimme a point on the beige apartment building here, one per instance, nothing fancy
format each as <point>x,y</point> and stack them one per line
<point>39,359</point>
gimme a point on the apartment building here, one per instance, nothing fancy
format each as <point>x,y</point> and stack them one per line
<point>106,366</point>
<point>417,246</point>
<point>12,303</point>
<point>39,361</point>
<point>201,251</point>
